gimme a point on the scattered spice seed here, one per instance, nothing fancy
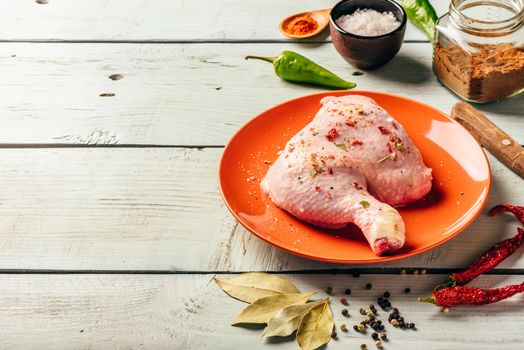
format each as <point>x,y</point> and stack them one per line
<point>374,336</point>
<point>343,327</point>
<point>361,327</point>
<point>370,314</point>
<point>42,2</point>
<point>347,291</point>
<point>365,205</point>
<point>363,347</point>
<point>120,76</point>
<point>329,290</point>
<point>378,344</point>
<point>218,88</point>
<point>331,135</point>
<point>362,312</point>
<point>445,310</point>
<point>345,312</point>
<point>355,327</point>
<point>357,73</point>
<point>369,286</point>
<point>383,336</point>
<point>344,301</point>
<point>107,94</point>
<point>373,308</point>
<point>394,322</point>
<point>334,335</point>
<point>407,290</point>
<point>386,294</point>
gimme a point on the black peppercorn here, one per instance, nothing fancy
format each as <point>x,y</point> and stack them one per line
<point>374,336</point>
<point>383,336</point>
<point>369,286</point>
<point>407,290</point>
<point>347,291</point>
<point>345,312</point>
<point>373,308</point>
<point>386,295</point>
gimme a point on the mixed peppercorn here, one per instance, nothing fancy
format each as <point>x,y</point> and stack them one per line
<point>371,316</point>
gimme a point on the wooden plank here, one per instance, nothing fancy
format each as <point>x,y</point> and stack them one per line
<point>191,312</point>
<point>160,209</point>
<point>183,94</point>
<point>157,20</point>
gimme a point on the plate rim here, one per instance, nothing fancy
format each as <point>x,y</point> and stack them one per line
<point>381,259</point>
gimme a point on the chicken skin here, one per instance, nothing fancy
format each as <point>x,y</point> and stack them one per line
<point>351,164</point>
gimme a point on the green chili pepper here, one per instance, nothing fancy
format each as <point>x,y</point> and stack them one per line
<point>294,67</point>
<point>423,15</point>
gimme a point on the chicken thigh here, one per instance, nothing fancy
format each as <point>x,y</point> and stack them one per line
<point>351,164</point>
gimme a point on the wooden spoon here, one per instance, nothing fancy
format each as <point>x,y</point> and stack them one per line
<point>321,16</point>
<point>500,144</point>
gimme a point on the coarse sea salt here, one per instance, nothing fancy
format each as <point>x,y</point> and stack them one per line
<point>368,22</point>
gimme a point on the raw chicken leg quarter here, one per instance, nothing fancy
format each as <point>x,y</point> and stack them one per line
<point>351,164</point>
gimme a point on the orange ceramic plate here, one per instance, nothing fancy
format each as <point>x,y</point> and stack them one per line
<point>460,169</point>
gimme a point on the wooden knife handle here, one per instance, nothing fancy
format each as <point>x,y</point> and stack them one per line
<point>500,144</point>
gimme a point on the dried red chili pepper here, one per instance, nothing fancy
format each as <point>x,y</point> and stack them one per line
<point>463,295</point>
<point>488,261</point>
<point>494,256</point>
<point>518,211</point>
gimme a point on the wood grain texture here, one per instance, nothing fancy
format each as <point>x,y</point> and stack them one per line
<point>190,312</point>
<point>160,209</point>
<point>496,140</point>
<point>182,94</point>
<point>158,20</point>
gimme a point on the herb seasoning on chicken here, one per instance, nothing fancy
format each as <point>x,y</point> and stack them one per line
<point>370,154</point>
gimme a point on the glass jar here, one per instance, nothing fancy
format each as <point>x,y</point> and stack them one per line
<point>479,49</point>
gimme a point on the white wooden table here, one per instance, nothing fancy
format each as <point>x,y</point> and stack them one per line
<point>112,225</point>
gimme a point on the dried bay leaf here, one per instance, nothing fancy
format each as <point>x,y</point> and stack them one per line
<point>287,320</point>
<point>251,286</point>
<point>263,309</point>
<point>316,327</point>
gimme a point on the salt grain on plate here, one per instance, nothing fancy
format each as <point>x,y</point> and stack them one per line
<point>368,22</point>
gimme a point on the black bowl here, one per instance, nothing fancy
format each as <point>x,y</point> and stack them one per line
<point>366,52</point>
